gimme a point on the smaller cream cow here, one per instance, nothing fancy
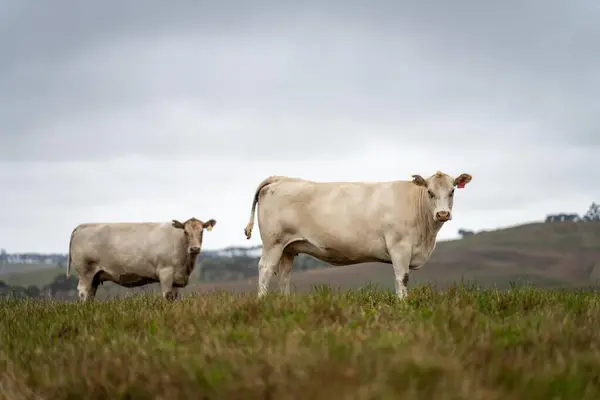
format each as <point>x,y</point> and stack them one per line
<point>345,223</point>
<point>136,254</point>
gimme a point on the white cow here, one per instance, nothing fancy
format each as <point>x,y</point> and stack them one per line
<point>345,223</point>
<point>136,254</point>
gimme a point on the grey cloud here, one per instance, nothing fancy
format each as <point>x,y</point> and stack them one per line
<point>32,30</point>
<point>526,177</point>
<point>107,183</point>
<point>376,64</point>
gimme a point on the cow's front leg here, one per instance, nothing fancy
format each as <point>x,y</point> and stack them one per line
<point>400,255</point>
<point>165,276</point>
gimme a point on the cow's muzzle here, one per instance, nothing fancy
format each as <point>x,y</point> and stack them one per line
<point>194,249</point>
<point>443,216</point>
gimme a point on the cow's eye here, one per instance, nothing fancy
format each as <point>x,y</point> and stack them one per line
<point>452,193</point>
<point>431,195</point>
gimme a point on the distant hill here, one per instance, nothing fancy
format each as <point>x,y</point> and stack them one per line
<point>555,254</point>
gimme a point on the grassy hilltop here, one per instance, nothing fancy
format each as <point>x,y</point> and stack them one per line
<point>460,344</point>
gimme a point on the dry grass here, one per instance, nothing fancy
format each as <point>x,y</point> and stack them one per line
<point>462,344</point>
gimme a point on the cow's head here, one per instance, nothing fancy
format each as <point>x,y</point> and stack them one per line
<point>193,230</point>
<point>439,193</point>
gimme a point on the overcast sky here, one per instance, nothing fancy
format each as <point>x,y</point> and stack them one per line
<point>154,110</point>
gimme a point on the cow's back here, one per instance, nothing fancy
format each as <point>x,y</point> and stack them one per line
<point>338,204</point>
<point>118,245</point>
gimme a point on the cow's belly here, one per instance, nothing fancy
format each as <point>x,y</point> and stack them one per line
<point>338,254</point>
<point>126,279</point>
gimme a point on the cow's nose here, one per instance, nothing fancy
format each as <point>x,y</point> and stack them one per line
<point>443,215</point>
<point>195,249</point>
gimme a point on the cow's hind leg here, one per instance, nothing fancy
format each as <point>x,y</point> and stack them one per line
<point>87,287</point>
<point>88,277</point>
<point>269,260</point>
<point>285,272</point>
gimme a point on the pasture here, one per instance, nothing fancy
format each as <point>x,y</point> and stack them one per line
<point>30,276</point>
<point>462,343</point>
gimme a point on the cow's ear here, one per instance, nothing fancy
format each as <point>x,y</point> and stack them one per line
<point>419,180</point>
<point>208,225</point>
<point>178,224</point>
<point>462,180</point>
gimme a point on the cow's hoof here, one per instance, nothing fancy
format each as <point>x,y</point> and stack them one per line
<point>171,296</point>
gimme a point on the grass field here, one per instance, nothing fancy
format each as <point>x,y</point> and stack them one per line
<point>39,277</point>
<point>461,344</point>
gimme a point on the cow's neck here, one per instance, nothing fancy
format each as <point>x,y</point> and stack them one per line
<point>190,262</point>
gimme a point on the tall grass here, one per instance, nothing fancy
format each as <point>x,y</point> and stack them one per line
<point>464,343</point>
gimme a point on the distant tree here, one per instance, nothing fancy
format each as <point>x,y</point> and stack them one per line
<point>60,284</point>
<point>465,233</point>
<point>3,256</point>
<point>593,213</point>
<point>33,291</point>
<point>572,217</point>
<point>305,262</point>
<point>12,291</point>
<point>562,217</point>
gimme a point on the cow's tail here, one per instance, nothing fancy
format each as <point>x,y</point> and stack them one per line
<point>69,255</point>
<point>263,184</point>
